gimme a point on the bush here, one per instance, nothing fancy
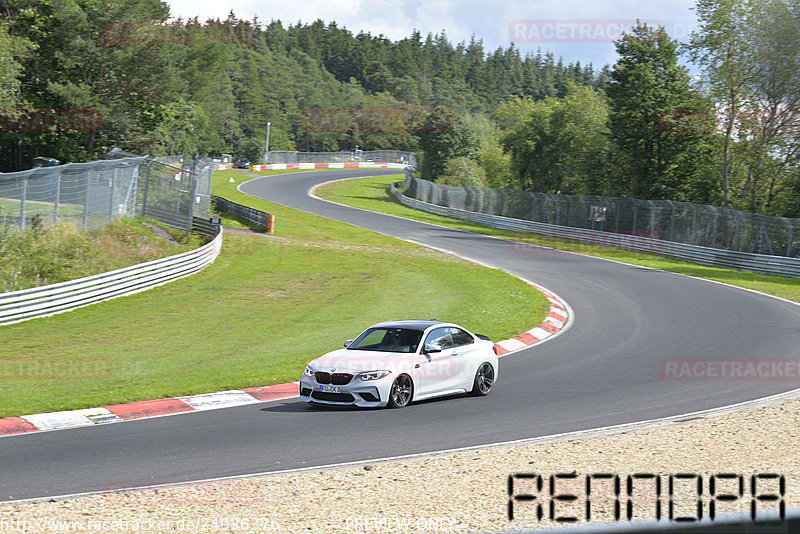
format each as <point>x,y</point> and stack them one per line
<point>41,255</point>
<point>463,172</point>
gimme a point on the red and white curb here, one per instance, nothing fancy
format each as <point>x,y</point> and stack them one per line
<point>356,165</point>
<point>558,319</point>
<point>118,413</point>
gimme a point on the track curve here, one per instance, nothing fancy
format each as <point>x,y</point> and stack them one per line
<point>604,371</point>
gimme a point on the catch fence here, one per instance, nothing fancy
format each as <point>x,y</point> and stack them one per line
<point>92,194</point>
<point>666,220</point>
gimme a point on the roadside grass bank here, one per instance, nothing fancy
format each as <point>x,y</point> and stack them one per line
<point>42,255</point>
<point>373,194</point>
<point>255,317</point>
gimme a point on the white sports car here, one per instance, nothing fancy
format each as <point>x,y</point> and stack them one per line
<point>398,362</point>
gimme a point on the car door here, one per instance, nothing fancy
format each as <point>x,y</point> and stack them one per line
<point>465,355</point>
<point>437,369</point>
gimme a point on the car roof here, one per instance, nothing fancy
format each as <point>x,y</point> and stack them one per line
<point>414,324</point>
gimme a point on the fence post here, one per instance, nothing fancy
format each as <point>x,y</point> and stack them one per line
<point>652,218</point>
<point>56,199</point>
<point>112,195</point>
<point>193,194</point>
<point>22,203</point>
<point>146,187</point>
<point>789,239</point>
<point>714,229</point>
<point>86,201</point>
<point>672,222</point>
<point>736,237</point>
<point>694,224</point>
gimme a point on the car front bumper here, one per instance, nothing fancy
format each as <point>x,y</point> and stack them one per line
<point>372,394</point>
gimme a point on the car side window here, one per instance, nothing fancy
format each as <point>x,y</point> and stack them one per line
<point>440,337</point>
<point>460,337</point>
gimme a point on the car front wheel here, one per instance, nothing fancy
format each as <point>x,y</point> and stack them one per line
<point>401,392</point>
<point>484,378</point>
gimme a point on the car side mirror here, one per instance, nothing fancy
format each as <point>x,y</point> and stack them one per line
<point>430,349</point>
<point>347,343</point>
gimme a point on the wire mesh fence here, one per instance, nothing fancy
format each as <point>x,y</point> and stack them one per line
<point>95,193</point>
<point>85,194</point>
<point>351,156</point>
<point>680,222</point>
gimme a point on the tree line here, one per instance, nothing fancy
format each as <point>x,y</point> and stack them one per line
<point>81,76</point>
<point>134,78</point>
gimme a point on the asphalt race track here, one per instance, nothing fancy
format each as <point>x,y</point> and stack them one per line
<point>604,370</point>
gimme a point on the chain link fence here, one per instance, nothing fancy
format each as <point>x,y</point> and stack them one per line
<point>679,222</point>
<point>353,156</point>
<point>172,189</point>
<point>85,194</point>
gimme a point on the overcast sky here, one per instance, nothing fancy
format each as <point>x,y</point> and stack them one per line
<point>578,30</point>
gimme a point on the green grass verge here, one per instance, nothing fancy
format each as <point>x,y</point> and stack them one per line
<point>373,194</point>
<point>255,317</point>
<point>41,255</point>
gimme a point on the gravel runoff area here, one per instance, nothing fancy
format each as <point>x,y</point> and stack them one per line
<point>464,491</point>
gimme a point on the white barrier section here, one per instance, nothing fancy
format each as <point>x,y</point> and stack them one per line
<point>44,301</point>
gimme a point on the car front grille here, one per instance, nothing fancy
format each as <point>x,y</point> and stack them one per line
<point>333,397</point>
<point>337,379</point>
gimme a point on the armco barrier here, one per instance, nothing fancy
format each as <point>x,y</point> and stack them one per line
<point>18,306</point>
<point>251,215</point>
<point>759,263</point>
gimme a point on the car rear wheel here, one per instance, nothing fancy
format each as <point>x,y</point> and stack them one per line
<point>401,392</point>
<point>484,378</point>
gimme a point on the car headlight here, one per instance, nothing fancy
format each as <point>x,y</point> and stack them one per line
<point>308,372</point>
<point>372,375</point>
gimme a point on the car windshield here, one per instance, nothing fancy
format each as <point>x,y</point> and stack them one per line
<point>388,340</point>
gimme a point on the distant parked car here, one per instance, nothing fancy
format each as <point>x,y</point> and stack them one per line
<point>243,164</point>
<point>395,363</point>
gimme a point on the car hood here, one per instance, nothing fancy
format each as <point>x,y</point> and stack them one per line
<point>356,361</point>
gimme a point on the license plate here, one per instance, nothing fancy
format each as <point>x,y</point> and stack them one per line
<point>330,389</point>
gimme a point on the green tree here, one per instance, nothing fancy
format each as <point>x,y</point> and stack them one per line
<point>647,84</point>
<point>442,136</point>
<point>722,47</point>
<point>748,52</point>
<point>561,144</point>
<point>11,48</point>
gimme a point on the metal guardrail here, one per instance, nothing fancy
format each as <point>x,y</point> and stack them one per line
<point>251,215</point>
<point>759,263</point>
<point>44,301</point>
<point>176,220</point>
